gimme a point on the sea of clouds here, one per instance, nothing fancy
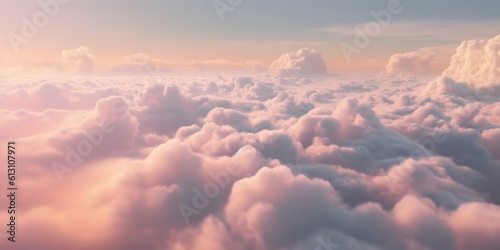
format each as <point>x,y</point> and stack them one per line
<point>290,158</point>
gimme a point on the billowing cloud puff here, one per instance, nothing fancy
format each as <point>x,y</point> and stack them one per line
<point>474,73</point>
<point>476,62</point>
<point>421,62</point>
<point>303,62</point>
<point>491,139</point>
<point>79,60</point>
<point>446,86</point>
<point>473,225</point>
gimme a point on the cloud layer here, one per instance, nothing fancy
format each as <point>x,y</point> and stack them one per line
<point>229,160</point>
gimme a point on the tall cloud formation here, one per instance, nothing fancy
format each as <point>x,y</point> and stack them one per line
<point>304,61</point>
<point>230,161</point>
<point>476,62</point>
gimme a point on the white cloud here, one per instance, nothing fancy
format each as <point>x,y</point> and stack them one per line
<point>78,61</point>
<point>476,62</point>
<point>303,62</point>
<point>425,61</point>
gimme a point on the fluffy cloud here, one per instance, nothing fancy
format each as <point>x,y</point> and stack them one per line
<point>422,62</point>
<point>476,62</point>
<point>491,139</point>
<point>473,73</point>
<point>78,61</point>
<point>304,61</point>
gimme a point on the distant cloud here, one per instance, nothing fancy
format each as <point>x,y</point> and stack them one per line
<point>424,61</point>
<point>137,58</point>
<point>78,61</point>
<point>137,64</point>
<point>304,61</point>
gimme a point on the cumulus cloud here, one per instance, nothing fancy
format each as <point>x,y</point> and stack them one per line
<point>476,62</point>
<point>473,73</point>
<point>425,61</point>
<point>491,139</point>
<point>78,61</point>
<point>303,62</point>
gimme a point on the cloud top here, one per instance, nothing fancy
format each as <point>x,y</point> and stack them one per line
<point>79,60</point>
<point>304,61</point>
<point>476,62</point>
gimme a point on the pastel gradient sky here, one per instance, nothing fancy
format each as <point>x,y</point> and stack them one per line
<point>181,31</point>
<point>159,125</point>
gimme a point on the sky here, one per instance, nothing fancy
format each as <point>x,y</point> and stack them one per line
<point>182,31</point>
<point>252,125</point>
